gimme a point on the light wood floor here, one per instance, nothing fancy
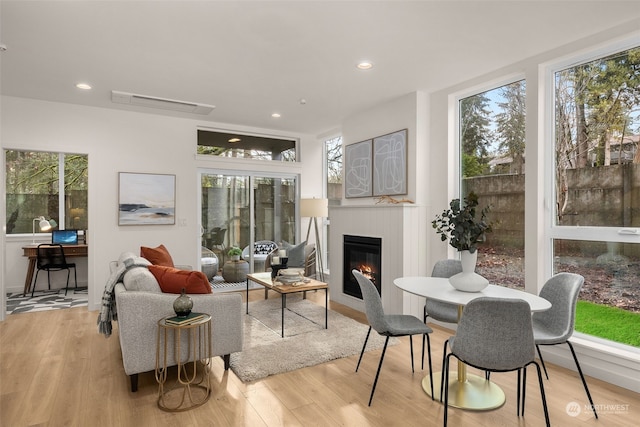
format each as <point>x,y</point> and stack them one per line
<point>56,370</point>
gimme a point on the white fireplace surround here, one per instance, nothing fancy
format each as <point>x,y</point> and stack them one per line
<point>403,232</point>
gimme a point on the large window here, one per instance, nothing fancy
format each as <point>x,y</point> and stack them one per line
<point>596,190</point>
<point>333,160</point>
<point>238,210</point>
<point>492,142</point>
<point>53,185</point>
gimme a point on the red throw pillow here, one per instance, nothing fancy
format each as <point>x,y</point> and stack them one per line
<point>172,280</point>
<point>157,256</point>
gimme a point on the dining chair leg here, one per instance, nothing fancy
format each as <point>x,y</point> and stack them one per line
<point>542,361</point>
<point>411,348</point>
<point>584,382</point>
<point>519,389</point>
<point>430,366</point>
<point>445,373</point>
<point>423,339</point>
<point>363,347</point>
<point>375,382</point>
<point>542,395</point>
<point>424,319</point>
<point>444,355</point>
<point>523,387</point>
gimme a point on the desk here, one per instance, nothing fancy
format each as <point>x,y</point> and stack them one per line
<point>265,280</point>
<point>31,251</point>
<point>465,390</point>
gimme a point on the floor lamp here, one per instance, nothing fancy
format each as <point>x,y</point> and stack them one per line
<point>315,208</point>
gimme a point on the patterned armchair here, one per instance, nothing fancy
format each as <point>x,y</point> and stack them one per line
<point>261,249</point>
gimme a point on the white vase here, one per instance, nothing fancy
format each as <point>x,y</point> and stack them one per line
<point>468,280</point>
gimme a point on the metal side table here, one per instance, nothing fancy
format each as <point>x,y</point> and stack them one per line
<point>188,347</point>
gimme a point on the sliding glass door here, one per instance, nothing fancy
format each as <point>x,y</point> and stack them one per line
<point>239,210</point>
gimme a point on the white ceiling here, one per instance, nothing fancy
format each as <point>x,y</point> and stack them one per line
<point>250,59</point>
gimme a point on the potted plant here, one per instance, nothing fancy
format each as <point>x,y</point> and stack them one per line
<point>465,227</point>
<point>235,253</point>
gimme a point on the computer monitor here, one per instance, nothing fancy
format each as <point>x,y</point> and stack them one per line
<point>64,237</point>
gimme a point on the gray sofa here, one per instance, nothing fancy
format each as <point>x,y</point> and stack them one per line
<point>141,306</point>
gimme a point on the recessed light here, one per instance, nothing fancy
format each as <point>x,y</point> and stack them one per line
<point>364,65</point>
<point>83,86</point>
<point>232,140</point>
<point>275,115</point>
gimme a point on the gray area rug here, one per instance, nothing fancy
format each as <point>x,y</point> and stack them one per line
<point>45,300</point>
<point>306,342</point>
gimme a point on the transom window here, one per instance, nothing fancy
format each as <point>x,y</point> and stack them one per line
<point>257,147</point>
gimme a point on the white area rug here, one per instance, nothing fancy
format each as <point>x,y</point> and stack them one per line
<point>306,342</point>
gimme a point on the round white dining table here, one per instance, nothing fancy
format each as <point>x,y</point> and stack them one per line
<point>466,391</point>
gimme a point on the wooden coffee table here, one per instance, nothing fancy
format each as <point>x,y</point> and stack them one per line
<point>264,279</point>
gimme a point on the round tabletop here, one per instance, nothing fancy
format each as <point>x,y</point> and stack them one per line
<point>195,319</point>
<point>439,289</point>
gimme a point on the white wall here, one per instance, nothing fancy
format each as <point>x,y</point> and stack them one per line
<point>121,141</point>
<point>406,112</point>
<point>403,229</point>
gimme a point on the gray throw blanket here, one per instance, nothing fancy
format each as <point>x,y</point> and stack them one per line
<point>108,309</point>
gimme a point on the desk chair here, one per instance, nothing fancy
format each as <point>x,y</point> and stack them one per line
<point>50,257</point>
<point>495,335</point>
<point>555,326</point>
<point>389,325</point>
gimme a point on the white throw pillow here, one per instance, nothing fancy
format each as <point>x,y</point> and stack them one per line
<point>140,279</point>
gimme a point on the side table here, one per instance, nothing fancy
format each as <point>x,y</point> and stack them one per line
<point>192,380</point>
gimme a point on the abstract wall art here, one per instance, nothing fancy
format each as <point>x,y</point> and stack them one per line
<point>146,199</point>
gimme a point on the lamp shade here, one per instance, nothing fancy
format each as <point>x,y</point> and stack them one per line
<point>44,225</point>
<point>314,208</point>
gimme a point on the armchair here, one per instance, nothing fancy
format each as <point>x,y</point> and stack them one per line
<point>309,263</point>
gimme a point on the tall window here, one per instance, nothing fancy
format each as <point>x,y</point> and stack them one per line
<point>53,185</point>
<point>492,142</point>
<point>333,159</point>
<point>596,165</point>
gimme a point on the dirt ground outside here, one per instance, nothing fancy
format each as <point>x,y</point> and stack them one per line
<point>611,280</point>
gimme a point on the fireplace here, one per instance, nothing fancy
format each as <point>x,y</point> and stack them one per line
<point>363,254</point>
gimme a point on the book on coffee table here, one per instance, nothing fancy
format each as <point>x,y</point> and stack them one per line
<point>184,320</point>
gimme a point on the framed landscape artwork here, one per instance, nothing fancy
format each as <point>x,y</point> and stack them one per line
<point>390,164</point>
<point>146,199</point>
<point>357,175</point>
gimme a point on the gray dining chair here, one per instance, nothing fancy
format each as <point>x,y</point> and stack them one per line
<point>556,325</point>
<point>442,311</point>
<point>389,325</point>
<point>495,335</point>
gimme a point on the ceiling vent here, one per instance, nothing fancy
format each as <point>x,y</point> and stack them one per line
<point>162,103</point>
